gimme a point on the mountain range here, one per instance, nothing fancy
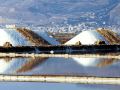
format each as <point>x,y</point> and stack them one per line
<point>46,12</point>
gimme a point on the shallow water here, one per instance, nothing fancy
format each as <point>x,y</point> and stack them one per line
<point>102,67</point>
<point>54,86</point>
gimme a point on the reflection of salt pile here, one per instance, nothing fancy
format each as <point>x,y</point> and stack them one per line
<point>11,66</point>
<point>24,37</point>
<point>87,61</point>
<point>92,36</point>
<point>31,64</point>
<point>36,66</point>
<point>94,62</point>
<point>3,65</point>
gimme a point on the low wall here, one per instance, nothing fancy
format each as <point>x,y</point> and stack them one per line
<point>61,79</point>
<point>62,49</point>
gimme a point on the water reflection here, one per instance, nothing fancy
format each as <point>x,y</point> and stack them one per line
<point>31,64</point>
<point>60,66</point>
<point>95,62</point>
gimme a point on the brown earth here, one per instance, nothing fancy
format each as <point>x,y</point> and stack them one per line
<point>110,36</point>
<point>63,37</point>
<point>35,39</point>
<point>31,36</point>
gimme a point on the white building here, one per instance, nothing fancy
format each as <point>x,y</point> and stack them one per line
<point>13,26</point>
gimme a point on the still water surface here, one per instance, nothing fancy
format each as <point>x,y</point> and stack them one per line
<point>103,67</point>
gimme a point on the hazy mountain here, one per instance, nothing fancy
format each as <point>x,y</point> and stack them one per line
<point>90,12</point>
